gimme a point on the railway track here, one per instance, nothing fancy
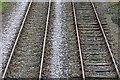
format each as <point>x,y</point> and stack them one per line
<point>60,53</point>
<point>96,55</point>
<point>25,56</point>
<point>40,52</point>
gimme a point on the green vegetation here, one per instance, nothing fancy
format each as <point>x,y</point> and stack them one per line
<point>116,7</point>
<point>3,6</point>
<point>0,5</point>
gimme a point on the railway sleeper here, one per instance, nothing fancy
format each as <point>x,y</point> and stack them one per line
<point>81,22</point>
<point>90,23</point>
<point>101,75</point>
<point>93,43</point>
<point>84,9</point>
<point>92,39</point>
<point>99,38</point>
<point>94,48</point>
<point>88,17</point>
<point>92,26</point>
<point>95,53</point>
<point>83,3</point>
<point>90,32</point>
<point>92,29</point>
<point>89,28</point>
<point>101,71</point>
<point>96,59</point>
<point>99,68</point>
<point>94,63</point>
<point>91,35</point>
<point>97,32</point>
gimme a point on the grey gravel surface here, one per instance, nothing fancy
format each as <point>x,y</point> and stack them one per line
<point>11,20</point>
<point>61,53</point>
<point>26,59</point>
<point>92,44</point>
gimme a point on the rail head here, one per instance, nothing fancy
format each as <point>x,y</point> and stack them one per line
<point>45,37</point>
<point>78,40</point>
<point>106,40</point>
<point>17,38</point>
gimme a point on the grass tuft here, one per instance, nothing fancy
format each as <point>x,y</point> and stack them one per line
<point>3,6</point>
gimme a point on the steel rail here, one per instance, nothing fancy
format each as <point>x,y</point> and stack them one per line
<point>45,37</point>
<point>106,40</point>
<point>78,40</point>
<point>18,35</point>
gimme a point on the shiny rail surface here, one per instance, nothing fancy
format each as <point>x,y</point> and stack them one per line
<point>11,54</point>
<point>78,39</point>
<point>46,30</point>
